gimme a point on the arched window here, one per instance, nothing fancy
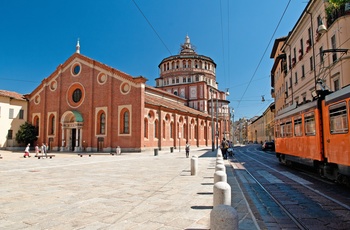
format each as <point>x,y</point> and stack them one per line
<point>52,124</point>
<point>156,129</point>
<point>195,132</point>
<point>145,131</point>
<point>171,130</point>
<point>37,125</point>
<point>164,136</point>
<point>125,121</point>
<point>184,130</point>
<point>102,123</point>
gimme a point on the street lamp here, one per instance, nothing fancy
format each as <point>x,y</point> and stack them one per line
<point>217,123</point>
<point>233,126</point>
<point>212,122</point>
<point>321,30</point>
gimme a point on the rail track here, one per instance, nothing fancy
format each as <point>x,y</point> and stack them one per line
<point>288,198</point>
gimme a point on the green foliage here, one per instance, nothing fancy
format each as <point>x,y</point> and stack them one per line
<point>335,5</point>
<point>26,133</point>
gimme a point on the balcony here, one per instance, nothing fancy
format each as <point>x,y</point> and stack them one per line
<point>333,14</point>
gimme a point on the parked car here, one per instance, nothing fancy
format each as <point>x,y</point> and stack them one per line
<point>268,145</point>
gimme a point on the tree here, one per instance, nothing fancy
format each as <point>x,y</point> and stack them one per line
<point>26,133</point>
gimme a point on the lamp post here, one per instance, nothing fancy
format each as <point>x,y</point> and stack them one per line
<point>212,122</point>
<point>321,30</point>
<point>233,126</point>
<point>217,123</point>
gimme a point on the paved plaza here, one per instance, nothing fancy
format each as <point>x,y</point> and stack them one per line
<point>128,191</point>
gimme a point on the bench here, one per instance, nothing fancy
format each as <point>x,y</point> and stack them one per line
<point>48,156</point>
<point>81,154</point>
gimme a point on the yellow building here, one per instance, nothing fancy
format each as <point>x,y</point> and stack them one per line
<point>261,128</point>
<point>13,113</point>
<point>313,57</point>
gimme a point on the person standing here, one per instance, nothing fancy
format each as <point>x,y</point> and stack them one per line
<point>224,147</point>
<point>118,150</point>
<point>187,149</point>
<point>44,150</point>
<point>36,150</point>
<point>26,151</point>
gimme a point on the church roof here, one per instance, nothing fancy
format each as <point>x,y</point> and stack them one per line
<point>171,102</point>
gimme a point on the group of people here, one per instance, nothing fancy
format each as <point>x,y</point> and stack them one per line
<point>42,149</point>
<point>226,148</point>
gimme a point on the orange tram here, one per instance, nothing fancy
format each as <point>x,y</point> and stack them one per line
<point>317,134</point>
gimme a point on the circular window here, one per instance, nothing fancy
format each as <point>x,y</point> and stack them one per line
<point>76,69</point>
<point>125,88</point>
<point>37,99</point>
<point>76,95</point>
<point>53,85</point>
<point>102,78</point>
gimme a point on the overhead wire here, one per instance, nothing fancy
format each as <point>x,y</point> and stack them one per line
<point>261,59</point>
<point>150,24</point>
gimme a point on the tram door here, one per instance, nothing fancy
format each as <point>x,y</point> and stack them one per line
<point>100,143</point>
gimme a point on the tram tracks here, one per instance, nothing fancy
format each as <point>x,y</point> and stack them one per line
<point>325,203</point>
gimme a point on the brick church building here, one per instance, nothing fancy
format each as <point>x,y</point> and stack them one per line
<point>85,105</point>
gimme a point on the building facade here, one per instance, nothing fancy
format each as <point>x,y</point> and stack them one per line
<point>261,128</point>
<point>193,77</point>
<point>86,105</point>
<point>313,57</point>
<point>13,113</point>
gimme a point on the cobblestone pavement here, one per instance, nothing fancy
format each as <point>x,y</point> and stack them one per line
<point>128,191</point>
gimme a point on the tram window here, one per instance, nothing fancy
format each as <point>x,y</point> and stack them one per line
<point>288,129</point>
<point>298,127</point>
<point>338,120</point>
<point>277,130</point>
<point>282,130</point>
<point>310,125</point>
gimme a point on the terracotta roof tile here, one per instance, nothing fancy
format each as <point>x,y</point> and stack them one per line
<point>162,101</point>
<point>10,94</point>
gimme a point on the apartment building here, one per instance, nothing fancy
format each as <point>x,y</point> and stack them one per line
<point>313,57</point>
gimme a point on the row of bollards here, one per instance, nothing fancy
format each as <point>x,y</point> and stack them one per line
<point>223,216</point>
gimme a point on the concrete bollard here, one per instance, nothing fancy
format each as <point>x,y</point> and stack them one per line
<point>219,154</point>
<point>222,194</point>
<point>223,217</point>
<point>220,176</point>
<point>220,167</point>
<point>194,165</point>
<point>220,161</point>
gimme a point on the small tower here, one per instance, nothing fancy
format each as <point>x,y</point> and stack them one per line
<point>77,47</point>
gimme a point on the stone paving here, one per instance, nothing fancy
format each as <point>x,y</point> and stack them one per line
<point>128,191</point>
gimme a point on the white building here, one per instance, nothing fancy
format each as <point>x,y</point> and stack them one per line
<point>13,113</point>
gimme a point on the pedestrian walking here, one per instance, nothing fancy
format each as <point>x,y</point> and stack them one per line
<point>26,151</point>
<point>224,147</point>
<point>187,149</point>
<point>36,150</point>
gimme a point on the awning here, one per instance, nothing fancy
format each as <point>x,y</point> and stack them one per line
<point>78,116</point>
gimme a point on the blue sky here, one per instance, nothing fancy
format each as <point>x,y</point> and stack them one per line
<point>37,36</point>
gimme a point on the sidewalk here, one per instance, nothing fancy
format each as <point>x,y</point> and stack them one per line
<point>128,191</point>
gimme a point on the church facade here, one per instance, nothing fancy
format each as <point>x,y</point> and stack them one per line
<point>85,105</point>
